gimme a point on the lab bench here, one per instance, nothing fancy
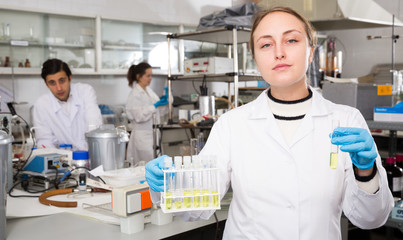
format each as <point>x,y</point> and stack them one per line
<point>67,226</point>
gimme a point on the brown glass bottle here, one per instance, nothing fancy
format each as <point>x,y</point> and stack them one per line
<point>399,160</point>
<point>7,62</point>
<point>394,174</point>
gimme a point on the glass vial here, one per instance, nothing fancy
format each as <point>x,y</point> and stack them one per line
<point>187,182</point>
<point>168,182</point>
<point>197,181</point>
<point>178,193</point>
<point>206,181</point>
<point>213,184</point>
<point>334,149</point>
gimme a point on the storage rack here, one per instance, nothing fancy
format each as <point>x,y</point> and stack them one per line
<point>230,35</point>
<point>393,127</point>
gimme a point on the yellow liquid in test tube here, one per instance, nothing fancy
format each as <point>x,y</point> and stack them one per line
<point>215,199</point>
<point>206,199</point>
<point>168,200</point>
<point>196,199</point>
<point>188,200</point>
<point>333,160</point>
<point>178,204</point>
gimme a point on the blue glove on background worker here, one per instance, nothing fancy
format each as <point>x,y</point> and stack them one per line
<point>154,174</point>
<point>359,143</point>
<point>163,100</point>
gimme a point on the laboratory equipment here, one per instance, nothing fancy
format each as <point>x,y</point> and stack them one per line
<point>208,65</point>
<point>107,146</point>
<point>196,185</point>
<point>81,161</point>
<point>170,181</point>
<point>178,192</point>
<point>46,163</point>
<point>5,157</point>
<point>128,203</point>
<point>207,105</point>
<point>187,181</point>
<point>363,96</point>
<point>334,151</point>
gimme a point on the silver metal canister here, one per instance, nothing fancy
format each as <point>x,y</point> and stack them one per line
<point>207,105</point>
<point>5,155</point>
<point>107,147</point>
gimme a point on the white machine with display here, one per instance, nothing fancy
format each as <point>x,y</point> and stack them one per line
<point>208,65</point>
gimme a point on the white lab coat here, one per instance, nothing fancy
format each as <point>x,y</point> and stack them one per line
<point>140,111</point>
<point>285,191</point>
<point>54,126</point>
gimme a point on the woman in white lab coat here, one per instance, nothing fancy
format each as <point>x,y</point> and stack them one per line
<point>141,106</point>
<point>275,151</point>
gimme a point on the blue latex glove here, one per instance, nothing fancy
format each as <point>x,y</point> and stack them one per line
<point>359,143</point>
<point>155,175</point>
<point>161,102</point>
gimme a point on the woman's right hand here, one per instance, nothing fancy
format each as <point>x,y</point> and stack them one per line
<point>154,173</point>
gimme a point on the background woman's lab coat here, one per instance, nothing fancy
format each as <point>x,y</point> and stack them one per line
<point>140,110</point>
<point>285,191</point>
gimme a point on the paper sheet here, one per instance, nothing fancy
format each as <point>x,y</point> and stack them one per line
<point>31,207</point>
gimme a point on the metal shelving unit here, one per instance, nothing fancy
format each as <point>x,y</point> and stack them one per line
<point>393,127</point>
<point>229,35</point>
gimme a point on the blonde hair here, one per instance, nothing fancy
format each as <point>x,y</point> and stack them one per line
<point>261,14</point>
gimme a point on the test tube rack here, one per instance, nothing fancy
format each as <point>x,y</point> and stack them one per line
<point>197,200</point>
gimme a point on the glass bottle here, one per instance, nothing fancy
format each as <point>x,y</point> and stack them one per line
<point>27,63</point>
<point>394,174</point>
<point>7,62</point>
<point>399,160</point>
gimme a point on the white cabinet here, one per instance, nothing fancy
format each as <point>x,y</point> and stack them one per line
<point>89,45</point>
<point>28,39</point>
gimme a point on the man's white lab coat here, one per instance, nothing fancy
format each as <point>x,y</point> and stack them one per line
<point>285,191</point>
<point>54,126</point>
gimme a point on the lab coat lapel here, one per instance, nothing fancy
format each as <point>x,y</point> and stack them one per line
<point>307,125</point>
<point>262,114</point>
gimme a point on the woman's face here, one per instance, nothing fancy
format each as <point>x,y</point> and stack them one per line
<point>145,80</point>
<point>282,51</point>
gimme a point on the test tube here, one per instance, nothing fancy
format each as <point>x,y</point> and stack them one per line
<point>205,181</point>
<point>213,184</point>
<point>169,187</point>
<point>197,180</point>
<point>334,149</point>
<point>178,182</point>
<point>187,181</point>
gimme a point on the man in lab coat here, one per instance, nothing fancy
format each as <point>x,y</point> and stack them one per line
<point>67,112</point>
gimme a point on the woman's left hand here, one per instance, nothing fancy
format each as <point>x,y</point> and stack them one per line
<point>359,143</point>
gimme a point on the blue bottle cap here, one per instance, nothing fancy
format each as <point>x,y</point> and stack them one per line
<point>80,155</point>
<point>65,146</point>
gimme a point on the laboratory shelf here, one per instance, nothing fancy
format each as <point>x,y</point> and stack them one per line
<point>225,77</point>
<point>394,126</point>
<point>222,35</point>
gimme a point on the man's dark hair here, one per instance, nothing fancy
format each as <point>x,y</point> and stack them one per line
<point>52,66</point>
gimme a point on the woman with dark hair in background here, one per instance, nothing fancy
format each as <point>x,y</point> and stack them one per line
<point>141,105</point>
